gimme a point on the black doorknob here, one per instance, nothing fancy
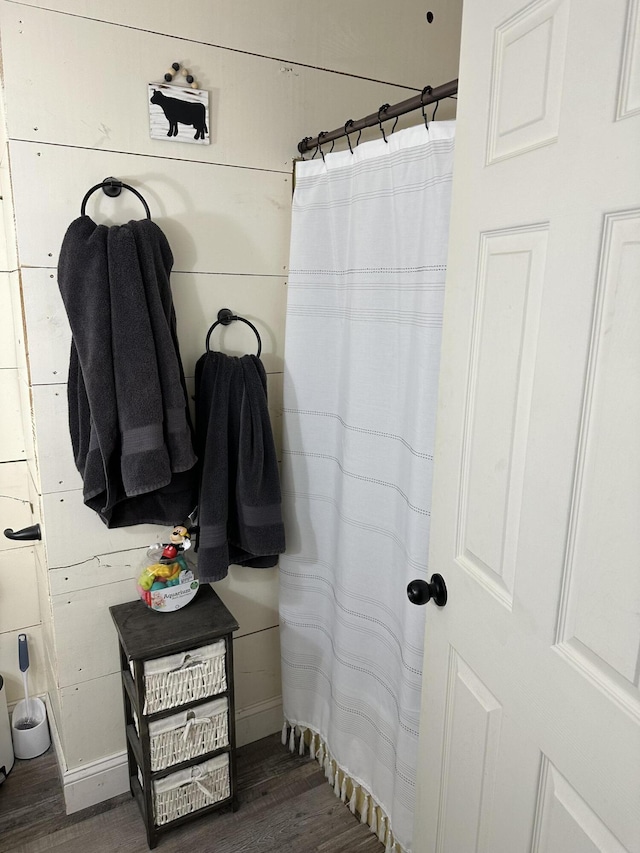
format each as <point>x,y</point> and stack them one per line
<point>32,532</point>
<point>419,591</point>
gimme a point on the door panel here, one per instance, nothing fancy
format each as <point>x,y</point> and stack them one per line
<point>564,822</point>
<point>528,57</point>
<point>507,308</point>
<point>472,732</point>
<point>629,95</point>
<point>599,590</point>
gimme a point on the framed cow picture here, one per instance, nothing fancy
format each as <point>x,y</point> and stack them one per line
<point>178,114</point>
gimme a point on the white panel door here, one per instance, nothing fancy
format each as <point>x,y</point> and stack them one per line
<point>530,725</point>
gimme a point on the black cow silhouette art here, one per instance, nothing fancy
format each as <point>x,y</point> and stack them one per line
<point>182,112</point>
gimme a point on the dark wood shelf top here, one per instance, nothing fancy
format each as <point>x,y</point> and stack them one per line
<point>145,634</point>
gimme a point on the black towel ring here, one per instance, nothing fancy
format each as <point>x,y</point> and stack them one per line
<point>226,317</point>
<point>113,187</point>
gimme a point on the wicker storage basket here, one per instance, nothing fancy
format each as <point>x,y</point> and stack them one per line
<point>188,734</point>
<point>191,789</point>
<point>186,677</point>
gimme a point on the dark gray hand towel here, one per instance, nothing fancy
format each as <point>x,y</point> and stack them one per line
<point>156,260</point>
<point>240,504</point>
<point>128,413</point>
<point>83,278</point>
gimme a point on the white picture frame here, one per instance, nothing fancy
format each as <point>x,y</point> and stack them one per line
<point>178,114</point>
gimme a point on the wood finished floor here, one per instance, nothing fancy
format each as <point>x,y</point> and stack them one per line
<point>286,805</point>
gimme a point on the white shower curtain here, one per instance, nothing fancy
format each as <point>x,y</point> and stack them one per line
<point>364,317</point>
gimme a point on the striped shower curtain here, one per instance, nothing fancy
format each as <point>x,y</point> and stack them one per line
<point>364,317</point>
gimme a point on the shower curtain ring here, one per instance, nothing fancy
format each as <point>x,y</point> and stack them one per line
<point>382,109</point>
<point>302,147</point>
<point>320,135</point>
<point>426,91</point>
<point>435,110</point>
<point>346,125</point>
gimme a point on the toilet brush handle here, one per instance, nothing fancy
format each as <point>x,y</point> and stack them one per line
<point>23,652</point>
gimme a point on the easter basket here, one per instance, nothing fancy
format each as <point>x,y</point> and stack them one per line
<point>189,734</point>
<point>185,677</point>
<point>188,790</point>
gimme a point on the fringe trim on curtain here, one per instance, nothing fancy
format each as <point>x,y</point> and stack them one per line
<point>352,793</point>
<point>336,787</point>
<point>343,789</point>
<point>364,814</point>
<point>382,829</point>
<point>354,797</point>
<point>373,820</point>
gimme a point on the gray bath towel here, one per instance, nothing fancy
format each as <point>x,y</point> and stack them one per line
<point>128,413</point>
<point>240,505</point>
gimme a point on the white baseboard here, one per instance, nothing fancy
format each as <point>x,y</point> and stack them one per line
<point>258,721</point>
<point>108,777</point>
<point>95,782</point>
<point>55,735</point>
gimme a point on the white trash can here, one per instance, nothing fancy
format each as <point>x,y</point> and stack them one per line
<point>6,745</point>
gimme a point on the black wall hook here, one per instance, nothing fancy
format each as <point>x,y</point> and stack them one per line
<point>113,187</point>
<point>226,317</point>
<point>25,534</point>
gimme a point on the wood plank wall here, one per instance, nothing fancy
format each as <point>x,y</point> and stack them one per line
<point>75,87</point>
<point>20,593</point>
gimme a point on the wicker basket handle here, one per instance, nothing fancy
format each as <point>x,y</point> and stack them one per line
<point>192,720</point>
<point>189,662</point>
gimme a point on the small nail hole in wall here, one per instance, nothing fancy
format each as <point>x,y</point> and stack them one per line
<point>429,17</point>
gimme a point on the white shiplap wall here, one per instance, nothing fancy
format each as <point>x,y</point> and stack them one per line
<point>20,595</point>
<point>75,90</point>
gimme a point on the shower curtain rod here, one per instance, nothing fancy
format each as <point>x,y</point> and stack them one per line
<point>384,113</point>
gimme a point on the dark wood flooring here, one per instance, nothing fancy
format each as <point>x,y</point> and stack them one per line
<point>286,805</point>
